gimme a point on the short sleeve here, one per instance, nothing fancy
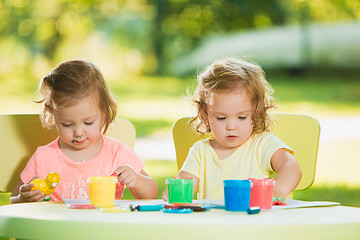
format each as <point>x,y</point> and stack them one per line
<point>126,156</point>
<point>36,166</point>
<point>192,163</point>
<point>29,171</point>
<point>268,144</point>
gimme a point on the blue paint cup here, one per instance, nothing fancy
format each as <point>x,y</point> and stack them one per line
<point>237,195</point>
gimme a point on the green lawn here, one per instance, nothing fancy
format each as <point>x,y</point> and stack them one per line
<point>154,103</point>
<point>344,194</point>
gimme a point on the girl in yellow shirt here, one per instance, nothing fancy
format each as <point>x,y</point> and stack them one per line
<point>233,99</point>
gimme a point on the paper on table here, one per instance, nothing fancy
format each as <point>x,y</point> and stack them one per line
<point>143,202</point>
<point>290,203</point>
<point>126,203</point>
<point>211,202</point>
<point>76,201</point>
<point>120,203</point>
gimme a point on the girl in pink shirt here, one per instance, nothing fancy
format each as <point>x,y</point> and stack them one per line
<point>78,103</point>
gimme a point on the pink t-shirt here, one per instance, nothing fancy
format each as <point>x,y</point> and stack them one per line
<point>73,174</point>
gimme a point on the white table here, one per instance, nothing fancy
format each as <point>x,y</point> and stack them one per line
<point>48,220</point>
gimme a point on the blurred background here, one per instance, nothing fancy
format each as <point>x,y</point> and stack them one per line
<point>150,51</point>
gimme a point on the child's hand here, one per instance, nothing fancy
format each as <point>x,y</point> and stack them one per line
<point>126,175</point>
<point>26,195</point>
<point>165,196</point>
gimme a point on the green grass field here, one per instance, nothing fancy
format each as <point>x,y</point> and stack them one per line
<point>154,103</point>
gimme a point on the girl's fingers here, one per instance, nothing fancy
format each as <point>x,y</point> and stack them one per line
<point>122,176</point>
<point>165,195</point>
<point>130,183</point>
<point>26,187</point>
<point>126,175</point>
<point>31,194</point>
<point>37,198</point>
<point>128,178</point>
<point>122,169</point>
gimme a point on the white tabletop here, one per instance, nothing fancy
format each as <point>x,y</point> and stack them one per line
<point>56,221</point>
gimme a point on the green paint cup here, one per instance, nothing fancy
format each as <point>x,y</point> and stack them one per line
<point>180,190</point>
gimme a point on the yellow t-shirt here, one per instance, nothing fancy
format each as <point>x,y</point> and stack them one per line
<point>251,159</point>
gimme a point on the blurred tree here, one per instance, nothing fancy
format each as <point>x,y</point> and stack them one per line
<point>41,26</point>
<point>153,32</point>
<point>305,12</point>
<point>56,29</point>
<point>180,25</point>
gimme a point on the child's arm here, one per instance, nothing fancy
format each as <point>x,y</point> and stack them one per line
<point>288,172</point>
<point>140,184</point>
<point>182,174</point>
<point>23,194</point>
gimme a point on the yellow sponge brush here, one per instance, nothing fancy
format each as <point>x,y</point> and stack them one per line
<point>48,184</point>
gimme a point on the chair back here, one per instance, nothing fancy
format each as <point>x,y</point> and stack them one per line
<point>21,134</point>
<point>299,131</point>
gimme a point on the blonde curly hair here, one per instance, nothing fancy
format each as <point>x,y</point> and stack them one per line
<point>231,74</point>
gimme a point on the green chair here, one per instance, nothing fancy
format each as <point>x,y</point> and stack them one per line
<point>301,132</point>
<point>21,134</point>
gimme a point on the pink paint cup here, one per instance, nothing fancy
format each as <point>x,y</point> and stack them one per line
<point>262,192</point>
